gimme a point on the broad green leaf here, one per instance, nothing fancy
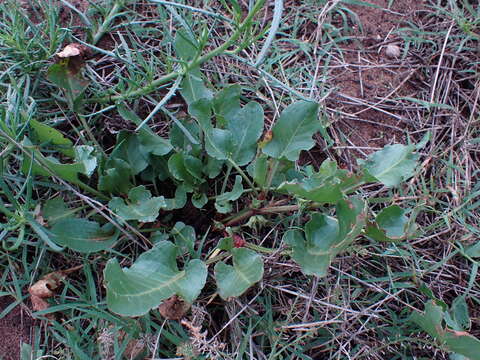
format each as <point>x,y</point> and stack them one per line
<point>234,280</point>
<point>157,169</point>
<point>328,185</point>
<point>201,110</point>
<point>192,86</point>
<point>393,220</point>
<point>178,201</point>
<point>225,243</point>
<point>460,313</point>
<point>322,233</point>
<point>116,177</point>
<point>72,82</point>
<point>351,220</point>
<point>184,236</point>
<point>246,125</point>
<point>258,169</point>
<point>194,167</point>
<point>236,192</point>
<point>186,47</point>
<point>150,142</point>
<point>127,114</point>
<point>153,278</point>
<point>326,236</point>
<point>179,170</point>
<point>181,142</point>
<point>391,165</point>
<point>391,224</point>
<point>128,148</point>
<point>43,234</point>
<point>222,203</point>
<point>463,343</point>
<point>68,172</point>
<point>454,356</point>
<point>460,342</point>
<point>226,103</point>
<point>293,131</point>
<point>55,210</point>
<point>140,205</point>
<point>83,235</point>
<point>159,236</point>
<point>47,134</point>
<point>219,144</point>
<point>213,167</point>
<point>199,200</point>
<point>84,154</point>
<point>311,264</point>
<point>431,320</point>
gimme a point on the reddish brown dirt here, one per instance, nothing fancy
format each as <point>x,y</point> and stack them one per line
<point>67,17</point>
<point>15,328</point>
<point>365,78</point>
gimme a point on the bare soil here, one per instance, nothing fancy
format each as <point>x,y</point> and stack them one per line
<point>366,79</point>
<point>15,328</point>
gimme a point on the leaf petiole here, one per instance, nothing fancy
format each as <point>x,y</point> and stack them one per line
<point>244,176</point>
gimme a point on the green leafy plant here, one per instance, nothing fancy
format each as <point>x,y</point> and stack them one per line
<point>152,278</point>
<point>222,136</point>
<point>214,156</point>
<point>449,327</point>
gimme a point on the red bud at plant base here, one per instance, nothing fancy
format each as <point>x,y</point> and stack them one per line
<point>268,136</point>
<point>238,241</point>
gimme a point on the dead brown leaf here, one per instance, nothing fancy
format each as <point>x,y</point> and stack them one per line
<point>45,287</point>
<point>73,56</point>
<point>73,50</point>
<point>174,308</point>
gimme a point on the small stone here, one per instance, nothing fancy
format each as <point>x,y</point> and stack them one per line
<point>392,51</point>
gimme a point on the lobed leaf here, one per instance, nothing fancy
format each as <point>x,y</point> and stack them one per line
<point>328,185</point>
<point>222,203</point>
<point>234,280</point>
<point>140,205</point>
<point>153,278</point>
<point>391,224</point>
<point>116,177</point>
<point>68,172</point>
<point>460,342</point>
<point>326,236</point>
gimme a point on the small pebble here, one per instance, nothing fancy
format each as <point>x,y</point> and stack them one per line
<point>392,51</point>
